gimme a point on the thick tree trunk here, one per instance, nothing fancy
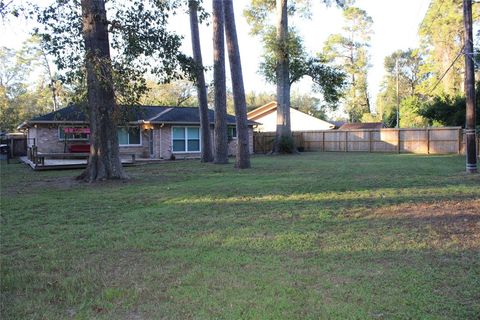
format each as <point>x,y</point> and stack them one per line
<point>243,151</point>
<point>220,130</point>
<point>282,73</point>
<point>104,161</point>
<point>206,142</point>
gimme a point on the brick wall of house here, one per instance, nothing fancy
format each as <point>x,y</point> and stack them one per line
<point>165,151</point>
<point>139,151</point>
<point>166,144</point>
<point>47,141</point>
<point>232,145</point>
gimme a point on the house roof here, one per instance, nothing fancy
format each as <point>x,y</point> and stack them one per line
<point>360,126</point>
<point>338,124</point>
<point>261,111</point>
<point>145,114</point>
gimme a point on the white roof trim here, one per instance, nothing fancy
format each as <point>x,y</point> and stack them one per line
<point>159,114</point>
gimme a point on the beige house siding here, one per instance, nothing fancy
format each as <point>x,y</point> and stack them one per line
<point>31,137</point>
<point>300,121</point>
<point>47,140</point>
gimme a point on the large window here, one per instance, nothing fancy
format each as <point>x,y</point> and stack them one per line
<point>128,136</point>
<point>73,133</point>
<point>185,139</point>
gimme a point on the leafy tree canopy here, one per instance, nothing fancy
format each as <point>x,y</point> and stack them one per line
<point>409,63</point>
<point>441,34</point>
<point>349,51</point>
<point>140,40</point>
<point>180,93</point>
<point>449,110</point>
<point>259,13</point>
<point>20,97</point>
<point>327,80</point>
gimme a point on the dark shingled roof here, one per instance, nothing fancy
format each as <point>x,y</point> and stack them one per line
<point>70,113</point>
<point>154,114</point>
<point>360,126</point>
<point>188,115</point>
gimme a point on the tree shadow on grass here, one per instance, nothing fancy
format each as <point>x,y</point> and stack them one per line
<point>387,262</point>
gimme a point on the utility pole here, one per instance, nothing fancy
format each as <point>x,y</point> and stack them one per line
<point>471,152</point>
<point>398,94</point>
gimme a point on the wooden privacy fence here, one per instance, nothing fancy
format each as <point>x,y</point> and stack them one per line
<point>17,145</point>
<point>421,140</point>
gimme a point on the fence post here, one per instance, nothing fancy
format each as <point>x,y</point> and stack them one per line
<point>264,143</point>
<point>10,149</point>
<point>398,140</point>
<point>428,140</point>
<point>346,141</point>
<point>369,140</point>
<point>460,138</point>
<point>323,141</point>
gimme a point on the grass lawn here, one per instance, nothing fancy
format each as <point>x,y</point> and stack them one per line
<point>314,236</point>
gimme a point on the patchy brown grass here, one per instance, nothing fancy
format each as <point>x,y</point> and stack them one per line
<point>318,236</point>
<point>457,221</point>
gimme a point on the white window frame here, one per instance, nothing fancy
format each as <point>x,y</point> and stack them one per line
<point>62,128</point>
<point>186,139</point>
<point>131,145</point>
<point>236,133</point>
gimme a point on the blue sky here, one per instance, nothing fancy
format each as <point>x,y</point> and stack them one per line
<point>395,27</point>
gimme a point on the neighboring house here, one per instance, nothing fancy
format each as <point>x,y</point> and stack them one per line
<point>338,124</point>
<point>362,126</point>
<point>149,131</point>
<point>267,116</point>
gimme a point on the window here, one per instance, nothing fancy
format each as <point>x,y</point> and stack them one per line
<point>129,136</point>
<point>185,139</point>
<point>73,133</point>
<point>232,133</point>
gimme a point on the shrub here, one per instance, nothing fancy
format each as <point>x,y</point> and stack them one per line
<point>286,145</point>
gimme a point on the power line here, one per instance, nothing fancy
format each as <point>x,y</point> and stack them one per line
<point>434,16</point>
<point>448,69</point>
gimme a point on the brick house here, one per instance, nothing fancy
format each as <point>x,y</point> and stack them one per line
<point>156,132</point>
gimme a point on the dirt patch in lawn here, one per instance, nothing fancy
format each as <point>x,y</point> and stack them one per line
<point>452,221</point>
<point>39,184</point>
<point>24,186</point>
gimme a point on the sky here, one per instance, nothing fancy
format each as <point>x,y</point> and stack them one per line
<point>395,27</point>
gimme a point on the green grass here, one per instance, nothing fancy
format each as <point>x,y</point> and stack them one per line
<point>315,236</point>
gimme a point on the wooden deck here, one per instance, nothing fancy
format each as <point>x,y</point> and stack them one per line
<point>59,164</point>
